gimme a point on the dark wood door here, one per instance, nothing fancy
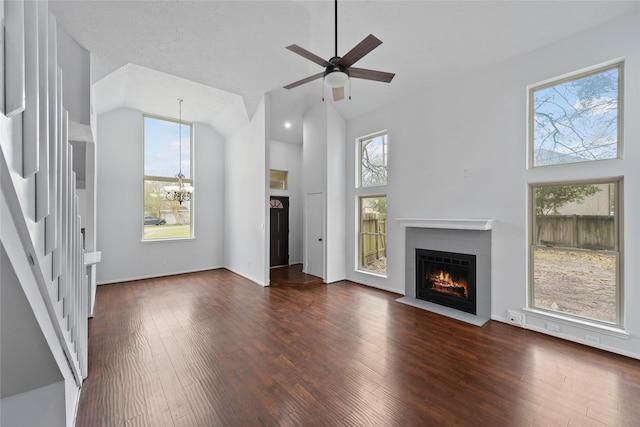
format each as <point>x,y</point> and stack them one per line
<point>279,209</point>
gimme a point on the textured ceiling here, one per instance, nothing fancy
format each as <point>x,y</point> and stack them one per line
<point>157,93</point>
<point>238,46</point>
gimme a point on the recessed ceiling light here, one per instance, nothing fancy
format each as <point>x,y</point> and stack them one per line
<point>287,124</point>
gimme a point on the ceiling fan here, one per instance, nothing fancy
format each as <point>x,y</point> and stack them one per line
<point>338,70</point>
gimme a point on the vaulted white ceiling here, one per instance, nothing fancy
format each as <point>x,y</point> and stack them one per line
<point>237,47</point>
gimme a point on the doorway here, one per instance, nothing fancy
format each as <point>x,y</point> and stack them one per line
<point>279,220</point>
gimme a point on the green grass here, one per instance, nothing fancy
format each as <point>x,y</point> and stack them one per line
<point>158,232</point>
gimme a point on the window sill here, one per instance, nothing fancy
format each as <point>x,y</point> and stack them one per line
<point>175,239</point>
<point>614,331</point>
<point>371,273</point>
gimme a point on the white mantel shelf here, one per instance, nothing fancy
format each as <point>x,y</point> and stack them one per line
<point>453,224</point>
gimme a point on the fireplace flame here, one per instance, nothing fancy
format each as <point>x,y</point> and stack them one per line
<point>443,282</point>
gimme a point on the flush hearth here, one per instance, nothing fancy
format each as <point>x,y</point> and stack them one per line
<point>446,278</point>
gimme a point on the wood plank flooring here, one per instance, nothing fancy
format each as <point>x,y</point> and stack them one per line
<point>213,349</point>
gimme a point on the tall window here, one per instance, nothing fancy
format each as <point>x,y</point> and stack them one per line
<point>373,234</point>
<point>576,119</point>
<point>575,253</point>
<point>165,219</point>
<point>371,181</point>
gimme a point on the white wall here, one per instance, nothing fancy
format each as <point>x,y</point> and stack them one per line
<point>314,166</point>
<point>27,362</point>
<point>323,160</point>
<point>288,157</point>
<point>33,389</point>
<point>18,410</point>
<point>75,64</point>
<point>314,149</point>
<point>246,201</point>
<point>458,150</point>
<point>336,189</point>
<point>120,207</point>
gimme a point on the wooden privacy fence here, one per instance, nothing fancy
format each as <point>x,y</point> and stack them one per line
<point>374,237</point>
<point>576,231</point>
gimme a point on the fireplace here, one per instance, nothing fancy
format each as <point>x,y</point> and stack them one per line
<point>446,278</point>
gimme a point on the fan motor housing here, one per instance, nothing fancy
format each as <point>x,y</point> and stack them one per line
<point>335,68</point>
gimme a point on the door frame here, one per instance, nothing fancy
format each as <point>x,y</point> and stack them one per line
<point>271,197</point>
<point>324,233</point>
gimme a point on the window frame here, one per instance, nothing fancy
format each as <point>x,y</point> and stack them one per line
<point>169,180</point>
<point>361,192</point>
<point>284,182</point>
<point>359,140</point>
<point>359,267</point>
<point>618,252</point>
<point>584,73</point>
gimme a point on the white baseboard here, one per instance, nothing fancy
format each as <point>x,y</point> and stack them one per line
<point>153,276</point>
<point>256,281</point>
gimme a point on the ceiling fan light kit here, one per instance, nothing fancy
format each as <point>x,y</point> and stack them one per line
<point>336,77</point>
<point>338,70</point>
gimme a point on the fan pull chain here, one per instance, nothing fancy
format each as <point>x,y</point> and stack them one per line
<point>323,89</point>
<point>349,88</point>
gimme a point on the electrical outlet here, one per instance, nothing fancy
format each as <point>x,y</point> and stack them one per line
<point>590,339</point>
<point>516,318</point>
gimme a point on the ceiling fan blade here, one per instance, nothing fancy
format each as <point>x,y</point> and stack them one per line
<point>303,81</point>
<point>338,93</point>
<point>379,76</point>
<point>360,50</point>
<point>310,56</point>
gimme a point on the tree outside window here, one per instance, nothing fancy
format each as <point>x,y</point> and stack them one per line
<point>575,254</point>
<point>372,164</point>
<point>576,119</point>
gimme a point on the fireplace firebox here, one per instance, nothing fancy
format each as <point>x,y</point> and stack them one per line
<point>446,278</point>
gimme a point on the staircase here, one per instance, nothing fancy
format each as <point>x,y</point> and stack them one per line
<point>46,291</point>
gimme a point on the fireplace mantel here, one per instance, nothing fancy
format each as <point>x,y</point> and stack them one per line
<point>465,236</point>
<point>453,223</point>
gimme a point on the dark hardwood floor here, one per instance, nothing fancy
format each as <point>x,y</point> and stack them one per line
<point>213,349</point>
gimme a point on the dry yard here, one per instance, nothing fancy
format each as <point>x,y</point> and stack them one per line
<point>580,283</point>
<point>378,266</point>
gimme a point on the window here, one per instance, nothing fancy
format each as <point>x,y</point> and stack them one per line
<point>373,234</point>
<point>576,119</point>
<point>575,253</point>
<point>278,179</point>
<point>371,179</point>
<point>164,219</point>
<point>372,160</point>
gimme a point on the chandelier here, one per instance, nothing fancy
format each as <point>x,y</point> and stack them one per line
<point>181,192</point>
